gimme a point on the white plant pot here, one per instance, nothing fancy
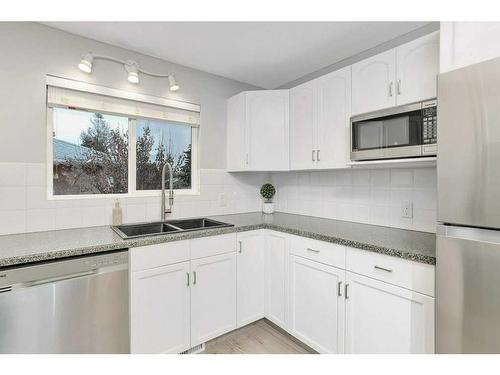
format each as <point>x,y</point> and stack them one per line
<point>268,208</point>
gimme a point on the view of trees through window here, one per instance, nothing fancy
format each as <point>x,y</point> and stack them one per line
<point>91,153</point>
<point>159,142</point>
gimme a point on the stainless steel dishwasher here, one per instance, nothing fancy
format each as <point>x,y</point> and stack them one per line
<point>77,305</point>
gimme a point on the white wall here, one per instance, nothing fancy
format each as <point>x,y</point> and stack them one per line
<point>361,195</point>
<point>30,51</point>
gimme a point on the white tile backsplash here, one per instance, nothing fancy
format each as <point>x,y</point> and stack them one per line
<point>366,196</point>
<point>12,174</point>
<point>24,206</point>
<point>362,195</point>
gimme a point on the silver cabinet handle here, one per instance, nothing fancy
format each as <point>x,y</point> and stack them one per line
<point>246,159</point>
<point>399,87</point>
<point>382,268</point>
<point>240,249</point>
<point>339,289</point>
<point>345,291</point>
<point>187,274</point>
<point>313,158</point>
<point>317,153</point>
<point>390,88</point>
<point>194,278</point>
<point>312,250</point>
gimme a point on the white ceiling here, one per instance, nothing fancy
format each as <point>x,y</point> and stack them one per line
<point>264,54</point>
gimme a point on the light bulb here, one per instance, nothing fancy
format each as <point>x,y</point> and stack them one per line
<point>133,71</point>
<point>85,64</point>
<point>133,77</point>
<point>173,84</point>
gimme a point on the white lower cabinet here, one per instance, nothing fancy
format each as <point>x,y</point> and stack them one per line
<point>160,309</point>
<point>213,297</point>
<point>250,277</point>
<point>276,294</point>
<point>317,304</point>
<point>332,298</point>
<point>177,306</point>
<point>384,318</point>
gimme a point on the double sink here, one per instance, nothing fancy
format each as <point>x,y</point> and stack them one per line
<point>166,227</point>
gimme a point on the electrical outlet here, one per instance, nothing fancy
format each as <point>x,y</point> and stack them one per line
<point>407,209</point>
<point>222,200</point>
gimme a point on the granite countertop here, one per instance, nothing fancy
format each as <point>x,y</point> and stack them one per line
<point>24,248</point>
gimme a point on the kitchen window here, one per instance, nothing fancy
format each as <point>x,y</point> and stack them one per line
<point>100,146</point>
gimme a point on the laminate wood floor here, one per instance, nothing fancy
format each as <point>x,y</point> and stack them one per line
<point>256,338</point>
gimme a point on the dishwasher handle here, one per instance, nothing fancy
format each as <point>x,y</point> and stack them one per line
<point>30,284</point>
<point>61,270</point>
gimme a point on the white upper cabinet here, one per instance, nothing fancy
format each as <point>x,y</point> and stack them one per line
<point>402,75</point>
<point>236,136</point>
<point>250,277</point>
<point>333,113</point>
<point>467,43</point>
<point>258,131</point>
<point>383,318</point>
<point>417,65</point>
<point>302,126</point>
<point>373,83</point>
<point>319,122</point>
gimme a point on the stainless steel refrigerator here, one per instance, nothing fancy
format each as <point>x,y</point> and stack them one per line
<point>468,237</point>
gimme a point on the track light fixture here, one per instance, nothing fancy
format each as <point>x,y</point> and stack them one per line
<point>131,67</point>
<point>173,84</point>
<point>86,63</point>
<point>133,71</point>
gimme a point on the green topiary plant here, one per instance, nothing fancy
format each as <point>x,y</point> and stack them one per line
<point>267,191</point>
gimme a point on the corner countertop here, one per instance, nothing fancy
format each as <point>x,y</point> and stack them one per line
<point>18,249</point>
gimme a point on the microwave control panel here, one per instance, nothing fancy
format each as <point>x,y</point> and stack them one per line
<point>430,125</point>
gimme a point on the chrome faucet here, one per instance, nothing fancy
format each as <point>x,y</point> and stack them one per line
<point>170,193</point>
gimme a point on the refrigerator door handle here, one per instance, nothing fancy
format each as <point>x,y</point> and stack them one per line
<point>469,233</point>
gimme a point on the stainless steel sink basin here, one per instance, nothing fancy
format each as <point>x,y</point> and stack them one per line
<point>193,224</point>
<point>170,226</point>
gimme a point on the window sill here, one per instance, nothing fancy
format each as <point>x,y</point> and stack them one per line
<point>137,194</point>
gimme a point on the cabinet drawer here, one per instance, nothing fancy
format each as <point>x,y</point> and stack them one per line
<point>416,276</point>
<point>208,246</point>
<point>152,256</point>
<point>319,251</point>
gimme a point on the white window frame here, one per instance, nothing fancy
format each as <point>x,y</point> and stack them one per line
<point>132,191</point>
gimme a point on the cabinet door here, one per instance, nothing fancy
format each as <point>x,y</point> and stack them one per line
<point>250,276</point>
<point>302,124</point>
<point>417,67</point>
<point>317,304</point>
<point>267,125</point>
<point>276,278</point>
<point>213,297</point>
<point>160,309</point>
<point>236,146</point>
<point>467,43</point>
<point>373,82</point>
<point>383,318</point>
<point>333,113</point>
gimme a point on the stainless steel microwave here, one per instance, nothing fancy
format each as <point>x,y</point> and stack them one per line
<point>407,131</point>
